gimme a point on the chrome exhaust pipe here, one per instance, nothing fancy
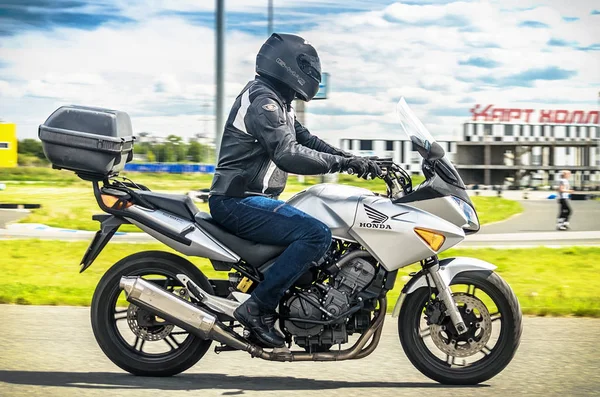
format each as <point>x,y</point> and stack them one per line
<point>182,313</point>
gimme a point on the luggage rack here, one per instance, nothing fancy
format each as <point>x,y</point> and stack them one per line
<point>126,196</point>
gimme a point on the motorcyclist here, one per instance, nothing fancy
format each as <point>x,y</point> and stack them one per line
<point>262,142</point>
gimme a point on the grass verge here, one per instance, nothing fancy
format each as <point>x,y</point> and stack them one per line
<point>555,282</point>
<point>71,205</point>
<point>495,209</point>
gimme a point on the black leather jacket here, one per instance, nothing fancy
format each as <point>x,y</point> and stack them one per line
<point>263,141</point>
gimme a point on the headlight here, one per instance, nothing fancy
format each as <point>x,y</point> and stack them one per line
<point>470,214</point>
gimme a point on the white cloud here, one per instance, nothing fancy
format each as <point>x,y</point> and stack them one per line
<point>161,69</point>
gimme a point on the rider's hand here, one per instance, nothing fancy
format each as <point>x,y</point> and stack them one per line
<point>345,154</point>
<point>362,167</point>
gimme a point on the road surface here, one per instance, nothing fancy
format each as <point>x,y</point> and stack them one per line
<point>50,351</point>
<point>540,216</point>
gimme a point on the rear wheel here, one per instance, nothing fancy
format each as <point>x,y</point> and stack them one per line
<point>492,315</point>
<point>134,339</point>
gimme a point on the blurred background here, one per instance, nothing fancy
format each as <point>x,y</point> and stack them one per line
<point>462,66</point>
<point>510,89</point>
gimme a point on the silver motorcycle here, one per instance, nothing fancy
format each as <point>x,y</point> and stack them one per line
<point>154,313</point>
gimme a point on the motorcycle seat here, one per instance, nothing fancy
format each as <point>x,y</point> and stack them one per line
<point>255,254</point>
<point>178,204</point>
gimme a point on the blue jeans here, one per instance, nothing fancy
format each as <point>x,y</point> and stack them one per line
<point>273,222</point>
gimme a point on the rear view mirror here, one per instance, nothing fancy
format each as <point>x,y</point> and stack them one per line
<point>436,152</point>
<point>429,151</point>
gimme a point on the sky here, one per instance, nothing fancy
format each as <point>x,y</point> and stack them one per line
<point>154,59</point>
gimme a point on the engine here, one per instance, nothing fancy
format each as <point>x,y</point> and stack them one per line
<point>330,301</point>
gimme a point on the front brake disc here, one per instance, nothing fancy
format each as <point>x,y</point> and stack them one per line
<point>477,335</point>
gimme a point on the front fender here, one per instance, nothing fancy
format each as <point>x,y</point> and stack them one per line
<point>449,268</point>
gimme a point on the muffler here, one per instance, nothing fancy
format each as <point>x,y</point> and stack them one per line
<point>182,313</point>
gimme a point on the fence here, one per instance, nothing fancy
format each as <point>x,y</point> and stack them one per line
<point>170,168</point>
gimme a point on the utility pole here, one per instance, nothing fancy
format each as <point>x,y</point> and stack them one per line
<point>219,73</point>
<point>270,17</point>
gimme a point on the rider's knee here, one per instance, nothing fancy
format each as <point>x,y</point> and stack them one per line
<point>320,235</point>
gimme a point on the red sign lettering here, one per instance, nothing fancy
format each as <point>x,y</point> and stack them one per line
<point>489,113</point>
<point>546,116</point>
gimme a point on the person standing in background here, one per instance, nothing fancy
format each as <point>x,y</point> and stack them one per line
<point>564,190</point>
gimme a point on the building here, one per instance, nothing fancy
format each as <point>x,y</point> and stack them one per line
<point>523,147</point>
<point>393,144</point>
<point>504,146</point>
<point>398,149</point>
<point>8,145</point>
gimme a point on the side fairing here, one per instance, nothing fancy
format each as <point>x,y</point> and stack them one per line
<point>334,205</point>
<point>444,207</point>
<point>386,230</point>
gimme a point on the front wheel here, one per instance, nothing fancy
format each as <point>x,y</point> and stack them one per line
<point>139,341</point>
<point>493,317</point>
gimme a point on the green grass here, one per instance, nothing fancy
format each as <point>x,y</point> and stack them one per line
<point>494,209</point>
<point>553,282</point>
<point>40,176</point>
<point>68,202</point>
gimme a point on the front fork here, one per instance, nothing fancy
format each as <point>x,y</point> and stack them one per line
<point>431,267</point>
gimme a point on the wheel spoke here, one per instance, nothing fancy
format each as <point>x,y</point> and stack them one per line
<point>168,285</point>
<point>135,343</point>
<point>496,316</point>
<point>139,346</point>
<point>450,360</point>
<point>179,333</point>
<point>486,350</point>
<point>471,289</point>
<point>173,344</point>
<point>120,314</point>
<point>425,332</point>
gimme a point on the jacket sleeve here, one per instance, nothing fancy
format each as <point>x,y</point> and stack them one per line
<point>305,138</point>
<point>266,121</point>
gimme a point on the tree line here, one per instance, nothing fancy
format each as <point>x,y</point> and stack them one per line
<point>173,150</point>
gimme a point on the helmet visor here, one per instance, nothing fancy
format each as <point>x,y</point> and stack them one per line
<point>310,65</point>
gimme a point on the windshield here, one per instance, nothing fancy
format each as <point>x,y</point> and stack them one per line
<point>412,126</point>
<point>424,143</point>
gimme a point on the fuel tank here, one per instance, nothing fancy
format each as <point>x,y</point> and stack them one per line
<point>383,228</point>
<point>334,205</point>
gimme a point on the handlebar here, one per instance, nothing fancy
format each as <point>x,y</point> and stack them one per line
<point>396,178</point>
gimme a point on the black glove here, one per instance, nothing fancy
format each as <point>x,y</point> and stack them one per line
<point>345,154</point>
<point>362,167</point>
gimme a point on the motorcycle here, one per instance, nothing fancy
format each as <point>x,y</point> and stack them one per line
<point>154,313</point>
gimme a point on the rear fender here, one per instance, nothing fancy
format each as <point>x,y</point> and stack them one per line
<point>109,224</point>
<point>449,268</point>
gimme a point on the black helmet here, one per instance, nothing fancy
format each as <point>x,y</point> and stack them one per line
<point>293,61</point>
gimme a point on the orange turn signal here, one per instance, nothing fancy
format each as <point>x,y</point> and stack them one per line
<point>434,240</point>
<point>110,201</point>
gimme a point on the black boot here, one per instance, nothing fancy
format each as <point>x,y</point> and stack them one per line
<point>260,323</point>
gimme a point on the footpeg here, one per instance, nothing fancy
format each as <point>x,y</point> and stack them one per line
<point>224,348</point>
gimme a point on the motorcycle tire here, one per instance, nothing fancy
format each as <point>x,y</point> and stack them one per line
<point>502,353</point>
<point>106,332</point>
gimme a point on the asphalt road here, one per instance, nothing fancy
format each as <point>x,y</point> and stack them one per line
<point>540,216</point>
<point>51,351</point>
